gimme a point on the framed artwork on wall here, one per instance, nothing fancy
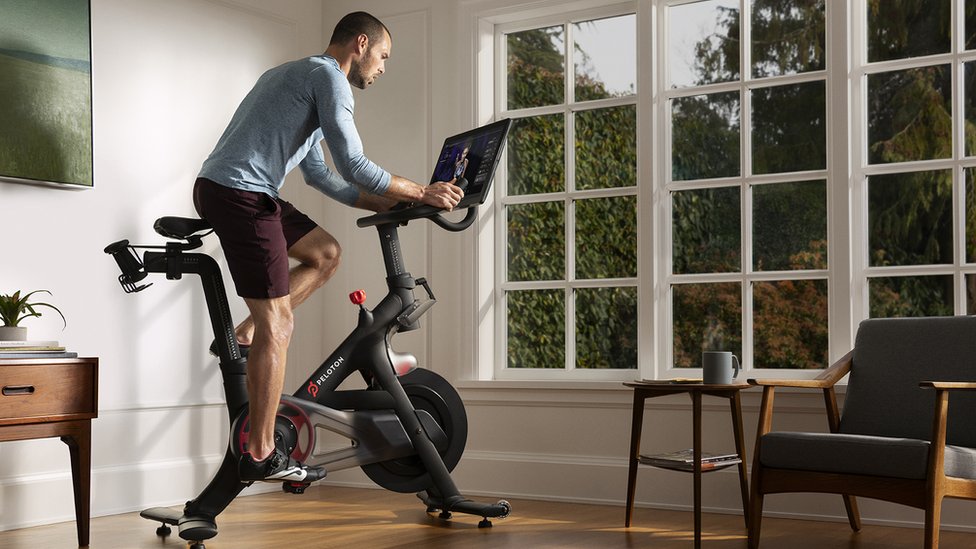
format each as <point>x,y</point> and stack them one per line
<point>46,92</point>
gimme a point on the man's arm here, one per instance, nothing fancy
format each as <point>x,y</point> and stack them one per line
<point>374,202</point>
<point>443,195</point>
<point>317,174</point>
<point>335,111</point>
<point>334,104</point>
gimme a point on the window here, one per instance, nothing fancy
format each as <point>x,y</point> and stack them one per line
<point>569,202</point>
<point>747,184</point>
<point>764,175</point>
<point>915,181</point>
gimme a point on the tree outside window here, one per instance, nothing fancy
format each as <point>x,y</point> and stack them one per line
<point>570,205</point>
<point>748,186</point>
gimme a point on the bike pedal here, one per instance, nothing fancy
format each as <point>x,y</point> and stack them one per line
<point>295,487</point>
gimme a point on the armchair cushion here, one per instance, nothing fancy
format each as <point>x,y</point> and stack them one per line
<point>860,455</point>
<point>891,357</point>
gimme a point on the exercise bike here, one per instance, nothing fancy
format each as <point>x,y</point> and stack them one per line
<point>408,426</point>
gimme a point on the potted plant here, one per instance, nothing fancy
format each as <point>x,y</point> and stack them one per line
<point>14,308</point>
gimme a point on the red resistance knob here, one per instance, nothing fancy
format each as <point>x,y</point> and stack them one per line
<point>358,297</point>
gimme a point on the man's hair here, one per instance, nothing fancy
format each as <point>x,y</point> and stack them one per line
<point>356,23</point>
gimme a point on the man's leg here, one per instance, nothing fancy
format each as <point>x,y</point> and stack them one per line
<point>256,231</point>
<point>269,330</point>
<point>273,324</point>
<point>319,253</point>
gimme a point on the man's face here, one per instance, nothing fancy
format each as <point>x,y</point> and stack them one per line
<point>371,65</point>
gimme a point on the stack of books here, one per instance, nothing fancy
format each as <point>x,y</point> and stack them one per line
<point>34,349</point>
<point>683,460</point>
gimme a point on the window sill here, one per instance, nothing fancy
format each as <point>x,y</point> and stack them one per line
<point>541,384</point>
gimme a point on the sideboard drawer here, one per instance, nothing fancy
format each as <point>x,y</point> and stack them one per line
<point>47,392</point>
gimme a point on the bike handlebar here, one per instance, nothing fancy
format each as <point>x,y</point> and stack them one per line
<point>403,213</point>
<point>456,226</point>
<point>402,216</point>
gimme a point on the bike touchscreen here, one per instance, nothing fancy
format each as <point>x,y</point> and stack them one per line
<point>472,157</point>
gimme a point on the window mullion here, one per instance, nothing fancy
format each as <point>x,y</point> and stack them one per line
<point>745,196</point>
<point>959,152</point>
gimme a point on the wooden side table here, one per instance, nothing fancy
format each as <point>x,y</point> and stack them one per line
<point>41,398</point>
<point>650,389</point>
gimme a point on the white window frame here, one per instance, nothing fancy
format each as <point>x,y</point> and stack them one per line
<point>957,163</point>
<point>490,345</point>
<point>747,276</point>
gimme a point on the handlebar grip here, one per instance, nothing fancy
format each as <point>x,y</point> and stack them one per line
<point>116,247</point>
<point>130,265</point>
<point>456,226</point>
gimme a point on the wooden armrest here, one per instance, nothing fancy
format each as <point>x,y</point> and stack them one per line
<point>825,380</point>
<point>950,385</point>
<point>803,383</point>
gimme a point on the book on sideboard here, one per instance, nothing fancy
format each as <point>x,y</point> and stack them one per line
<point>39,354</point>
<point>30,346</point>
<point>34,349</point>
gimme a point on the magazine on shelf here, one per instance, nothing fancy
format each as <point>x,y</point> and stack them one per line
<point>671,381</point>
<point>684,459</point>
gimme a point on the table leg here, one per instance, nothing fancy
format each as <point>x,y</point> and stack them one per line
<point>696,453</point>
<point>78,440</point>
<point>740,448</point>
<point>635,434</point>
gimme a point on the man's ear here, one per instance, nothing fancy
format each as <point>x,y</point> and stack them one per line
<point>362,43</point>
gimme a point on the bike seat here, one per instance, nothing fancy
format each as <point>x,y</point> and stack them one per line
<point>180,228</point>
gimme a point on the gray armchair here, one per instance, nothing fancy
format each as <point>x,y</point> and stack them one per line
<point>897,440</point>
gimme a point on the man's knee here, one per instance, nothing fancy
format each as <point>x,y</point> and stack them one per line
<point>320,251</point>
<point>331,255</point>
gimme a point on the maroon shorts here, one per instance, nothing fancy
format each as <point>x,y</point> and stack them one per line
<point>255,230</point>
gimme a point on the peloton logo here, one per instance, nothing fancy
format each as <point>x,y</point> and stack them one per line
<point>313,386</point>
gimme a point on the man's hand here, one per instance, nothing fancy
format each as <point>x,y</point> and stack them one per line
<point>442,194</point>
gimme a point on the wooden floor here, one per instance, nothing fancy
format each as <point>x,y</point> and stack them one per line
<point>334,517</point>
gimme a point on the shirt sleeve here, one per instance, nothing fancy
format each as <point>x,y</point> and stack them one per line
<point>318,175</point>
<point>335,105</point>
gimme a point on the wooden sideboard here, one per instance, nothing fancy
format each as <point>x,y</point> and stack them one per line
<point>41,398</point>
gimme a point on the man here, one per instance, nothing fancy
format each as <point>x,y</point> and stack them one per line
<point>279,125</point>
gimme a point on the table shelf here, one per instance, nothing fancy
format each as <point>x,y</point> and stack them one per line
<point>690,467</point>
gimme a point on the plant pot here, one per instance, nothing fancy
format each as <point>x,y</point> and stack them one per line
<point>13,333</point>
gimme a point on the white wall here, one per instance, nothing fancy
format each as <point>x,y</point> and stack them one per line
<point>166,78</point>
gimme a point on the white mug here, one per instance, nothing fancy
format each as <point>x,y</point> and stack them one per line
<point>717,367</point>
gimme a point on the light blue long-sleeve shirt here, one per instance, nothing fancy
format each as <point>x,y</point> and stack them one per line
<point>280,124</point>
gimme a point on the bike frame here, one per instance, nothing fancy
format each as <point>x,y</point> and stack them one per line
<point>381,410</point>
